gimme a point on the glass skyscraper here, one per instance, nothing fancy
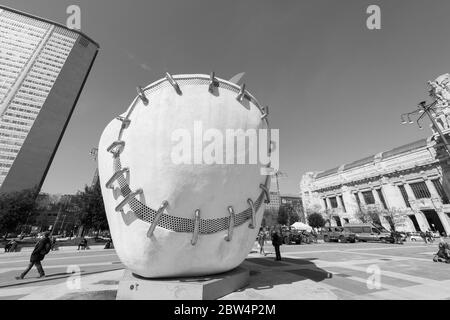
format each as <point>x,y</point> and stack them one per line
<point>43,68</point>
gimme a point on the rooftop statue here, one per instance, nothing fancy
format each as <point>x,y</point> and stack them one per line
<point>440,92</point>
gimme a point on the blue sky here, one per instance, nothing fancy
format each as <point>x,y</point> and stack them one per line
<point>336,89</point>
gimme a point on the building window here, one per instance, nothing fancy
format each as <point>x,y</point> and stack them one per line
<point>383,201</point>
<point>368,197</point>
<point>404,195</point>
<point>342,202</point>
<point>420,190</point>
<point>438,185</point>
<point>333,202</point>
<point>325,202</point>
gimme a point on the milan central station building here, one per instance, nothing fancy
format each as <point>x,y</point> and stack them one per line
<point>43,68</point>
<point>403,186</point>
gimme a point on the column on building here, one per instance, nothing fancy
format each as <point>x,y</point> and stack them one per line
<point>434,193</point>
<point>324,204</point>
<point>384,222</point>
<point>361,199</point>
<point>327,199</point>
<point>393,196</point>
<point>351,206</point>
<point>420,216</point>
<point>395,202</point>
<point>439,209</point>
<point>377,198</point>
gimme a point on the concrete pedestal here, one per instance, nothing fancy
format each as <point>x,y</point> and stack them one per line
<point>133,287</point>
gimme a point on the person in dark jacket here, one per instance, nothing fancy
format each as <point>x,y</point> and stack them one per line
<point>13,246</point>
<point>40,250</point>
<point>82,244</point>
<point>276,242</point>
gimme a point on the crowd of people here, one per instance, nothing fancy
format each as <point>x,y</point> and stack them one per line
<point>427,236</point>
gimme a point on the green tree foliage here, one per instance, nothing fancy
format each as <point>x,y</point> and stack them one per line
<point>369,216</point>
<point>396,219</point>
<point>270,217</point>
<point>287,215</point>
<point>16,208</point>
<point>316,220</point>
<point>92,210</point>
<point>283,216</point>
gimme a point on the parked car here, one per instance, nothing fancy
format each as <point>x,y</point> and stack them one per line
<point>338,234</point>
<point>290,235</point>
<point>414,236</point>
<point>368,232</point>
<point>436,234</point>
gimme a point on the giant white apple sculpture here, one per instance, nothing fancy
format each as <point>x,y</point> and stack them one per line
<point>172,212</point>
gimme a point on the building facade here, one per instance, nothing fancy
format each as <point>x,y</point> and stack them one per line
<point>403,187</point>
<point>43,68</point>
<point>274,194</point>
<point>294,202</point>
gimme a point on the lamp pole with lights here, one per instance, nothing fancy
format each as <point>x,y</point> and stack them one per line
<point>424,109</point>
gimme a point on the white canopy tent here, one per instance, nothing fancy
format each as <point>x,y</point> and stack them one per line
<point>301,226</point>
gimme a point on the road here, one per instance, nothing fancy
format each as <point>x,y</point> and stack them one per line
<point>316,271</point>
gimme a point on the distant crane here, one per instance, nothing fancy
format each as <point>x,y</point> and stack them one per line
<point>279,175</point>
<point>94,155</point>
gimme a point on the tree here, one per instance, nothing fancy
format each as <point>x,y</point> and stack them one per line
<point>270,216</point>
<point>92,213</point>
<point>283,216</point>
<point>316,220</point>
<point>16,208</point>
<point>369,215</point>
<point>293,215</point>
<point>396,219</point>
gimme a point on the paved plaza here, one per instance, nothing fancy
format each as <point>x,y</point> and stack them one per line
<point>317,271</point>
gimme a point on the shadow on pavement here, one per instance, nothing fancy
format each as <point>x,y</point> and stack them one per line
<point>268,277</point>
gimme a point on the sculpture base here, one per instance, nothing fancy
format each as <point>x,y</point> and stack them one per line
<point>133,287</point>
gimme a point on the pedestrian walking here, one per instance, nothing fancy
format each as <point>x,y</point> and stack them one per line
<point>424,237</point>
<point>54,247</point>
<point>8,246</point>
<point>429,236</point>
<point>13,246</point>
<point>261,241</point>
<point>40,250</point>
<point>276,242</point>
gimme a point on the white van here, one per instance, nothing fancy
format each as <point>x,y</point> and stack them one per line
<point>368,232</point>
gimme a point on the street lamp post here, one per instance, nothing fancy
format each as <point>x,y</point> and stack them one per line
<point>423,110</point>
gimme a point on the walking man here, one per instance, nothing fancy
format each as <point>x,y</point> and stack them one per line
<point>40,250</point>
<point>276,242</point>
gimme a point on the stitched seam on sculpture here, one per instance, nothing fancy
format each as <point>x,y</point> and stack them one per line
<point>178,224</point>
<point>200,81</point>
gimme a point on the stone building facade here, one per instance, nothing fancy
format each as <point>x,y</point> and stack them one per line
<point>403,186</point>
<point>407,187</point>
